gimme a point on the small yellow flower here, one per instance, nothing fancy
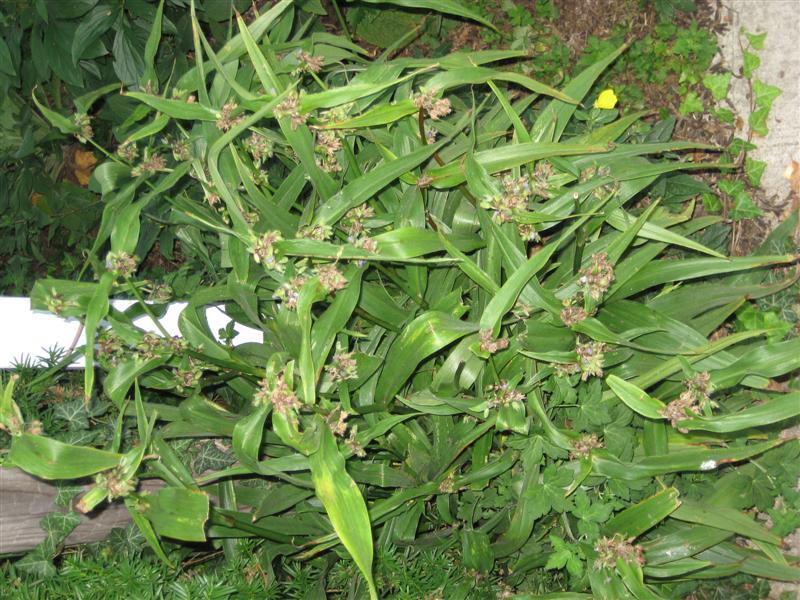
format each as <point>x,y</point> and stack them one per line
<point>606,99</point>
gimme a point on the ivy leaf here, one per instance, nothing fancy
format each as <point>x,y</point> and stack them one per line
<point>744,208</point>
<point>718,84</point>
<point>725,115</point>
<point>758,122</point>
<point>73,414</point>
<point>756,39</point>
<point>65,493</point>
<point>691,104</point>
<point>57,526</point>
<point>750,63</point>
<point>743,205</point>
<point>37,563</point>
<point>764,94</point>
<point>754,170</point>
<point>712,203</point>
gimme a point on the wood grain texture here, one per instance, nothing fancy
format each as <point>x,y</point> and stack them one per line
<point>24,500</point>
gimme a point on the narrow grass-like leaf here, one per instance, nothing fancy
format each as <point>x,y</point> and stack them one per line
<point>476,75</point>
<point>177,109</point>
<point>450,7</point>
<point>507,157</point>
<point>639,518</point>
<point>248,434</point>
<point>771,360</point>
<point>51,459</point>
<point>428,333</point>
<point>178,513</point>
<point>667,271</point>
<point>151,47</point>
<point>365,187</point>
<point>147,531</point>
<point>701,459</point>
<point>773,410</point>
<point>556,114</point>
<point>725,518</point>
<point>343,502</point>
<point>505,298</point>
<point>637,399</point>
<point>382,114</point>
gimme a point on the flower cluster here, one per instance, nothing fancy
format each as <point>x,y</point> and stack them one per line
<point>697,392</point>
<point>528,232</point>
<point>152,345</point>
<point>328,144</point>
<point>343,367</point>
<point>517,186</point>
<point>259,146</point>
<point>513,199</point>
<point>56,303</point>
<point>353,221</point>
<point>289,292</point>
<point>160,293</point>
<point>616,547</point>
<point>353,444</point>
<point>181,150</point>
<point>565,369</point>
<point>489,344</point>
<point>278,394</point>
<point>337,421</point>
<point>187,378</point>
<point>503,206</point>
<point>572,314</point>
<point>540,181</point>
<point>366,243</point>
<point>590,359</point>
<point>584,445</point>
<point>84,124</point>
<point>598,276</point>
<point>502,394</point>
<point>435,108</point>
<point>110,347</point>
<point>226,120</point>
<point>128,152</point>
<point>114,485</point>
<point>290,107</point>
<point>121,264</point>
<point>308,63</point>
<point>265,253</point>
<point>331,278</point>
<point>150,164</point>
<point>448,484</point>
<point>315,232</point>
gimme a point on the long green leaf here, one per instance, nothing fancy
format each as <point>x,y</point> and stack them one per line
<point>425,335</point>
<point>51,459</point>
<point>343,502</point>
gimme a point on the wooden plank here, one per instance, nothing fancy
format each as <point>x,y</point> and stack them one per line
<point>24,500</point>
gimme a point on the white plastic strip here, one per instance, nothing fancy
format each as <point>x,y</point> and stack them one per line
<point>29,334</point>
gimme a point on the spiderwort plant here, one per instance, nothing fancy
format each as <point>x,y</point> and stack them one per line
<point>461,296</point>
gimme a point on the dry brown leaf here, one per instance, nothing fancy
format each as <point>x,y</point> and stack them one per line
<point>792,173</point>
<point>83,164</point>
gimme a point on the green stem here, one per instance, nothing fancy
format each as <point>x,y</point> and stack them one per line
<point>341,18</point>
<point>146,308</point>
